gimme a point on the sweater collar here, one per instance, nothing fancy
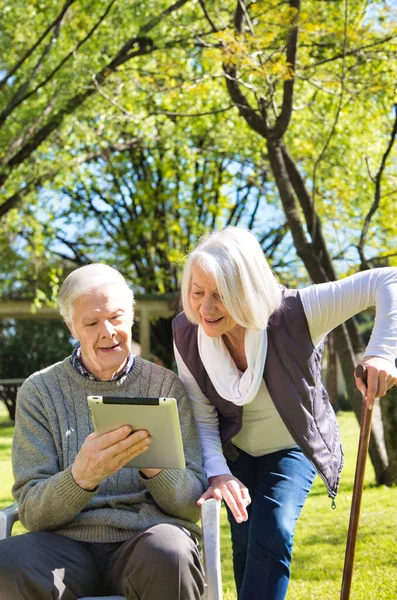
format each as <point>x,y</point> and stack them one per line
<point>78,365</point>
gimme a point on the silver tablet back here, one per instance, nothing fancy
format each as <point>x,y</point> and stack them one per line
<point>159,416</point>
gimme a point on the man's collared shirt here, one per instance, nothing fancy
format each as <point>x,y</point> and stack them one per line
<point>80,368</point>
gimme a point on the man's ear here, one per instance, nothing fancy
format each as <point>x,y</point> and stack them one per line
<point>70,327</point>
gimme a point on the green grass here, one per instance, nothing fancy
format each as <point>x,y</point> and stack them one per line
<point>320,539</point>
<point>321,532</point>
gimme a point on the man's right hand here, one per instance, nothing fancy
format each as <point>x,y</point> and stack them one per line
<point>103,455</point>
<point>232,491</point>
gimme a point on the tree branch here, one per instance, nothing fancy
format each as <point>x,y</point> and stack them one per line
<point>207,16</point>
<point>375,204</point>
<point>256,122</point>
<point>311,260</point>
<point>350,52</point>
<point>79,256</point>
<point>17,101</point>
<point>284,117</point>
<point>145,46</point>
<point>12,201</point>
<point>200,114</point>
<point>312,220</point>
<point>54,23</point>
<point>338,111</point>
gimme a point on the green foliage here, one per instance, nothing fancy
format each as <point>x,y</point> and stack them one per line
<point>27,346</point>
<point>144,208</point>
<point>134,92</point>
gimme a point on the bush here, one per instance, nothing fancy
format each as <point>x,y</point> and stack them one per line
<point>27,346</point>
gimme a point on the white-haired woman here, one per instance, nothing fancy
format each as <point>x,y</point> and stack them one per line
<point>249,354</point>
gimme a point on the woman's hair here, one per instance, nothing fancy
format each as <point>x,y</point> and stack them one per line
<point>84,280</point>
<point>244,279</point>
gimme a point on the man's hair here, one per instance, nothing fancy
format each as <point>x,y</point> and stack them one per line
<point>247,286</point>
<point>86,279</point>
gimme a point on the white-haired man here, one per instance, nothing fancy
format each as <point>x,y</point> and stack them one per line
<point>95,527</point>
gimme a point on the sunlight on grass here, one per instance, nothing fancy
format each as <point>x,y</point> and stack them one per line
<point>321,532</point>
<point>6,432</point>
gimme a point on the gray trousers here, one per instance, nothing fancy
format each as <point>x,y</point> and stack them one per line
<point>160,563</point>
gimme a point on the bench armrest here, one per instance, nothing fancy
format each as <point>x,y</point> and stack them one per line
<point>8,516</point>
<point>210,521</point>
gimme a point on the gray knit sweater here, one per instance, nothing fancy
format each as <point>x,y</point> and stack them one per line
<point>52,422</point>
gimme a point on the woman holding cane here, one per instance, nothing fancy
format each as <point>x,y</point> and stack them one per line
<point>249,354</point>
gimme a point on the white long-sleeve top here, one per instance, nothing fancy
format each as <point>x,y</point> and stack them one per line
<point>326,306</point>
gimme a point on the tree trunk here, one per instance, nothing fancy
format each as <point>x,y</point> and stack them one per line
<point>389,416</point>
<point>348,360</point>
<point>308,238</point>
<point>318,265</point>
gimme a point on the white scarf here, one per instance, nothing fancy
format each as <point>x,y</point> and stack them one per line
<point>227,379</point>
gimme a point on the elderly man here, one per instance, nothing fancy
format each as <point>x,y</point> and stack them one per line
<point>95,527</point>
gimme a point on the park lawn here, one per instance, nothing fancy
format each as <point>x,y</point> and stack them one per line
<point>321,532</point>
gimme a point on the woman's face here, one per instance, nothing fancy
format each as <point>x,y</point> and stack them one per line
<point>208,306</point>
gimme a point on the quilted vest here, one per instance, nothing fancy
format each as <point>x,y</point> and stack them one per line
<point>292,375</point>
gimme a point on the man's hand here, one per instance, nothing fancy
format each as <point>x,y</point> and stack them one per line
<point>381,376</point>
<point>103,455</point>
<point>233,492</point>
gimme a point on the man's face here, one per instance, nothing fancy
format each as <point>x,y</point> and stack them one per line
<point>101,322</point>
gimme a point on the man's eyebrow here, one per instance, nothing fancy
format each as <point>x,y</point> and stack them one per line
<point>89,319</point>
<point>95,318</point>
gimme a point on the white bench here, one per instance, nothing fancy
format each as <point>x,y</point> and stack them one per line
<point>210,521</point>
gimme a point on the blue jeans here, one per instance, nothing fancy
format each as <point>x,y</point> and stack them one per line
<point>262,546</point>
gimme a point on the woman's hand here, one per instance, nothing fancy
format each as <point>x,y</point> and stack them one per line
<point>102,455</point>
<point>232,491</point>
<point>381,376</point>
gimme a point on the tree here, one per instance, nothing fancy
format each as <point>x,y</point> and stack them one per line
<point>82,93</point>
<point>142,209</point>
<point>298,97</point>
<point>389,416</point>
<point>300,200</point>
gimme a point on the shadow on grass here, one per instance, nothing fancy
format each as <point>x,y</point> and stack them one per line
<point>325,539</point>
<point>317,570</point>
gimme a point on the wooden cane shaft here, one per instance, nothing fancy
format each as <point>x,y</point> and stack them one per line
<point>365,432</point>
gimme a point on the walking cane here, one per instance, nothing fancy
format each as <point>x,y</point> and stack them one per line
<point>365,431</point>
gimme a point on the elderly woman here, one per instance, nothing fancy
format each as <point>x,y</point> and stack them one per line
<point>95,527</point>
<point>249,354</point>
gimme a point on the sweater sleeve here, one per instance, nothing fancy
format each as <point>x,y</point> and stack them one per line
<point>47,497</point>
<point>176,491</point>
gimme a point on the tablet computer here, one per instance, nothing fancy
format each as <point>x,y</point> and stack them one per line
<point>159,416</point>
